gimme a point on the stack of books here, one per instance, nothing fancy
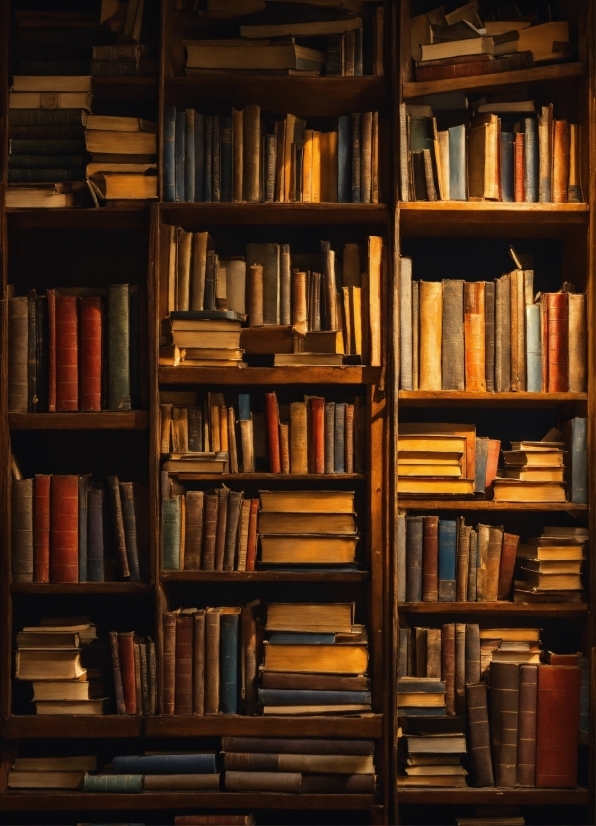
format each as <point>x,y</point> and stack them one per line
<point>60,529</point>
<point>550,566</point>
<point>313,645</point>
<point>153,772</point>
<point>134,672</point>
<point>123,157</point>
<point>509,645</point>
<point>77,349</point>
<point>57,773</point>
<point>216,158</point>
<point>491,336</point>
<point>437,459</point>
<point>309,766</point>
<point>434,760</point>
<point>421,696</point>
<point>204,338</point>
<point>283,56</point>
<point>307,528</point>
<point>533,472</point>
<point>49,655</point>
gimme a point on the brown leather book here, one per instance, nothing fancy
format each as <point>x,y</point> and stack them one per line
<point>558,342</point>
<point>518,169</point>
<point>474,333</point>
<point>288,782</point>
<point>507,565</point>
<point>452,350</point>
<point>18,336</point>
<point>22,530</point>
<point>314,682</point>
<point>284,446</point>
<point>184,661</point>
<point>430,555</point>
<point>67,353</point>
<point>518,334</point>
<point>117,673</point>
<point>272,419</point>
<point>493,563</point>
<point>249,664</point>
<point>195,505</point>
<point>316,433</point>
<point>232,523</point>
<point>433,653</point>
<point>118,524</point>
<point>91,351</point>
<point>198,663</point>
<point>365,158</point>
<point>472,653</point>
<point>431,317</point>
<point>492,464</point>
<point>460,668</point>
<point>479,735</point>
<point>152,672</point>
<point>577,342</point>
<point>252,153</point>
<point>560,161</point>
<point>285,745</point>
<point>503,334</point>
<point>64,553</point>
<point>212,632</point>
<point>138,688</point>
<point>504,688</point>
<point>214,820</point>
<point>448,664</point>
<point>251,551</point>
<point>182,782</point>
<point>51,298</point>
<point>489,337</point>
<point>237,149</point>
<point>210,531</point>
<point>145,681</point>
<point>526,728</point>
<point>359,435</point>
<point>348,438</point>
<point>421,650</point>
<point>243,526</point>
<point>463,560</point>
<point>41,528</point>
<point>298,438</point>
<point>223,494</point>
<point>557,726</point>
<point>169,662</point>
<point>126,653</point>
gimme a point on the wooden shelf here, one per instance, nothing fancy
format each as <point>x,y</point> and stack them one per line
<point>203,215</point>
<point>124,216</point>
<point>512,609</point>
<point>106,420</point>
<point>539,74</point>
<point>449,398</point>
<point>268,375</point>
<point>81,588</point>
<point>445,504</point>
<point>271,477</point>
<point>264,576</point>
<point>220,725</point>
<point>487,797</point>
<point>75,725</point>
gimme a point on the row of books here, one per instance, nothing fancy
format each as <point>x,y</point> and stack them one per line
<point>221,531</point>
<point>70,529</point>
<point>235,158</point>
<point>314,436</point>
<point>491,336</point>
<point>77,349</point>
<point>134,670</point>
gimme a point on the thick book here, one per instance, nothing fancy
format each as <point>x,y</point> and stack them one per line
<point>557,726</point>
<point>22,550</point>
<point>212,660</point>
<point>118,531</point>
<point>447,560</point>
<point>127,670</point>
<point>448,665</point>
<point>198,763</point>
<point>40,527</point>
<point>526,733</point>
<point>230,624</point>
<point>576,473</point>
<point>129,519</point>
<point>414,558</point>
<point>431,310</point>
<point>169,662</point>
<point>430,556</point>
<point>183,697</point>
<point>504,680</point>
<point>118,347</point>
<point>64,506</point>
<point>67,353</point>
<point>452,348</point>
<point>479,735</point>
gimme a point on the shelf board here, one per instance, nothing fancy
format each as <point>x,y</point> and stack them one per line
<point>445,398</point>
<point>123,216</point>
<point>220,725</point>
<point>264,576</point>
<point>79,801</point>
<point>75,725</point>
<point>271,477</point>
<point>445,504</point>
<point>106,420</point>
<point>539,74</point>
<point>488,796</point>
<point>268,375</point>
<point>571,609</point>
<point>207,214</point>
<point>81,588</point>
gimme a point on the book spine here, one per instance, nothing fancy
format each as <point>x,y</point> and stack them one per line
<point>95,545</point>
<point>402,557</point>
<point>452,345</point>
<point>199,150</point>
<point>22,550</point>
<point>189,155</point>
<point>169,662</point>
<point>237,153</point>
<point>252,153</point>
<point>251,551</point>
<point>507,167</point>
<point>405,323</point>
<point>170,533</point>
<point>18,336</point>
<point>113,783</point>
<point>457,163</point>
<point>208,159</point>
<point>431,312</point>
<point>545,154</point>
<point>31,352</point>
<point>463,560</point>
<point>232,525</point>
<point>530,160</point>
<point>472,666</point>
<point>507,565</point>
<point>526,732</point>
<point>40,529</point>
<point>118,524</point>
<point>557,726</point>
<point>533,349</point>
<point>44,176</point>
<point>474,331</point>
<point>576,469</point>
<point>64,554</point>
<point>129,519</point>
<point>460,668</point>
<point>184,665</point>
<point>117,673</point>
<point>195,500</point>
<point>414,557</point>
<point>229,663</point>
<point>356,159</point>
<point>577,335</point>
<point>504,681</point>
<point>179,157</point>
<point>489,338</point>
<point>493,563</point>
<point>91,353</point>
<point>366,160</point>
<point>223,495</point>
<point>83,523</point>
<point>329,466</point>
<point>343,159</point>
<point>519,153</point>
<point>349,438</point>
<point>479,735</point>
<point>210,530</point>
<point>198,663</point>
<point>339,440</point>
<point>502,334</point>
<point>473,568</point>
<point>560,161</point>
<point>447,560</point>
<point>430,556</point>
<point>138,678</point>
<point>558,342</point>
<point>448,665</point>
<point>272,418</point>
<point>67,362</point>
<point>118,347</point>
<point>212,655</point>
<point>127,668</point>
<point>216,160</point>
<point>285,285</point>
<point>226,159</point>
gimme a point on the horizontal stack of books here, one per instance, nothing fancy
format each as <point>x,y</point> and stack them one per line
<point>308,766</point>
<point>509,645</point>
<point>313,436</point>
<point>213,158</point>
<point>434,760</point>
<point>203,338</point>
<point>49,655</point>
<point>57,773</point>
<point>60,529</point>
<point>550,566</point>
<point>313,644</point>
<point>57,346</point>
<point>421,696</point>
<point>156,772</point>
<point>134,671</point>
<point>283,56</point>
<point>491,336</point>
<point>446,560</point>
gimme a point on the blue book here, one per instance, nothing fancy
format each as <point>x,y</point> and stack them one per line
<point>208,159</point>
<point>179,158</point>
<point>199,155</point>
<point>244,407</point>
<point>340,427</point>
<point>165,764</point>
<point>226,159</point>
<point>457,163</point>
<point>422,711</point>
<point>189,155</point>
<point>533,349</point>
<point>343,159</point>
<point>95,545</point>
<point>169,154</point>
<point>356,160</point>
<point>447,559</point>
<point>299,697</point>
<point>298,638</point>
<point>83,488</point>
<point>507,167</point>
<point>480,464</point>
<point>426,685</point>
<point>170,533</point>
<point>531,160</point>
<point>576,466</point>
<point>230,624</point>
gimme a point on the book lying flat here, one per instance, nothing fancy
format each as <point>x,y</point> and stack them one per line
<point>330,617</point>
<point>308,549</point>
<point>431,485</point>
<point>307,501</point>
<point>514,490</point>
<point>302,524</point>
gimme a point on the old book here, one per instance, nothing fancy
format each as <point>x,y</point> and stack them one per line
<point>251,551</point>
<point>503,334</point>
<point>90,352</point>
<point>460,668</point>
<point>479,735</point>
<point>473,568</point>
<point>118,347</point>
<point>22,515</point>
<point>492,565</point>
<point>433,659</point>
<point>474,327</point>
<point>95,535</point>
<point>195,504</point>
<point>212,656</point>
<point>518,338</point>
<point>52,664</point>
<point>183,696</point>
<point>557,726</point>
<point>64,542</point>
<point>515,490</point>
<point>298,438</point>
<point>170,533</point>
<point>463,560</point>
<point>430,554</point>
<point>420,651</point>
<point>575,434</point>
<point>118,531</point>
<point>232,525</point>
<point>431,302</point>
<point>415,335</point>
<point>504,678</point>
<point>198,663</point>
<point>526,735</point>
<point>229,677</point>
<point>414,558</point>
<point>272,419</point>
<point>223,494</point>
<point>447,560</point>
<point>18,355</point>
<point>40,528</point>
<point>448,665</point>
<point>67,356</point>
<point>376,261</point>
<point>489,338</point>
<point>507,565</point>
<point>405,322</point>
<point>472,668</point>
<point>577,342</point>
<point>331,659</point>
<point>127,669</point>
<point>129,518</point>
<point>560,161</point>
<point>557,337</point>
<point>452,348</point>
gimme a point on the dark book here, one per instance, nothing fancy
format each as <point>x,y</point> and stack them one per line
<point>199,141</point>
<point>489,338</point>
<point>356,161</point>
<point>180,147</point>
<point>118,347</point>
<point>307,697</point>
<point>32,350</point>
<point>18,335</point>
<point>67,353</point>
<point>91,347</point>
<point>220,533</point>
<point>95,538</point>
<point>189,155</point>
<point>83,525</point>
<point>137,346</point>
<point>208,159</point>
<point>285,745</point>
<point>479,735</point>
<point>460,668</point>
<point>229,676</point>
<point>226,159</point>
<point>45,176</point>
<point>129,519</point>
<point>127,669</point>
<point>231,536</point>
<point>169,154</point>
<point>339,440</point>
<point>118,525</point>
<point>183,697</point>
<point>338,784</point>
<point>526,731</point>
<point>117,674</point>
<point>40,527</point>
<point>447,559</point>
<point>414,558</point>
<point>448,665</point>
<point>201,763</point>
<point>576,474</point>
<point>210,531</point>
<point>212,660</point>
<point>344,194</point>
<point>42,355</point>
<point>216,160</point>
<point>193,535</point>
<point>22,530</point>
<point>557,726</point>
<point>504,686</point>
<point>170,533</point>
<point>169,662</point>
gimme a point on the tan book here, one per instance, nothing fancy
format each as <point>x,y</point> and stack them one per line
<point>298,438</point>
<point>375,253</point>
<point>467,431</point>
<point>45,779</point>
<point>429,470</point>
<point>183,270</point>
<point>293,126</point>
<point>50,100</point>
<point>421,700</point>
<point>307,167</point>
<point>513,490</point>
<point>165,412</point>
<point>550,552</point>
<point>307,523</point>
<point>577,342</point>
<point>426,486</point>
<point>552,566</point>
<point>48,664</point>
<point>474,335</point>
<point>307,501</point>
<point>325,163</point>
<point>413,457</point>
<point>111,186</point>
<point>528,458</point>
<point>246,442</point>
<point>483,158</point>
<point>324,341</point>
<point>518,336</point>
<point>316,168</point>
<point>538,474</point>
<point>439,443</point>
<point>119,168</point>
<point>121,143</point>
<point>87,707</point>
<point>433,780</point>
<point>330,659</point>
<point>431,311</point>
<point>114,123</point>
<point>493,561</point>
<point>332,617</point>
<point>301,550</point>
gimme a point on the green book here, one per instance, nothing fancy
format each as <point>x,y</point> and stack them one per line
<point>170,533</point>
<point>114,783</point>
<point>118,347</point>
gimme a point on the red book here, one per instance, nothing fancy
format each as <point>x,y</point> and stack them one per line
<point>184,657</point>
<point>51,296</point>
<point>492,463</point>
<point>272,418</point>
<point>67,360</point>
<point>126,651</point>
<point>317,434</point>
<point>64,529</point>
<point>507,564</point>
<point>558,342</point>
<point>557,726</point>
<point>41,529</point>
<point>90,355</point>
<point>519,167</point>
<point>251,551</point>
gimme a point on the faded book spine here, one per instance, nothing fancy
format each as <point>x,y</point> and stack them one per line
<point>22,530</point>
<point>118,347</point>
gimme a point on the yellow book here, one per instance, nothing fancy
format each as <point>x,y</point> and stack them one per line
<point>332,167</point>
<point>316,168</point>
<point>307,167</point>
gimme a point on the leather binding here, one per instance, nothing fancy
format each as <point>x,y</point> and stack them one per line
<point>330,286</point>
<point>138,678</point>
<point>575,434</point>
<point>208,158</point>
<point>243,525</point>
<point>298,438</point>
<point>504,682</point>
<point>431,311</point>
<point>526,731</point>
<point>299,301</point>
<point>480,464</point>
<point>183,260</point>
<point>41,528</point>
<point>22,530</point>
<point>545,149</point>
<point>431,190</point>
<point>371,299</point>
<point>421,651</point>
<point>180,135</point>
<point>32,351</point>
<point>216,161</point>
<point>220,528</point>
<point>448,664</point>
<point>212,646</point>
<point>533,349</point>
<point>493,562</point>
<point>169,662</point>
<point>479,735</point>
<point>287,782</point>
<point>144,669</point>
<point>233,447</point>
<point>433,653</point>
<point>472,672</point>
<point>84,482</point>
<point>181,782</point>
<point>460,668</point>
<point>356,165</point>
<point>452,350</point>
<point>338,784</point>
<point>349,439</point>
<point>474,331</point>
<point>329,437</point>
<point>232,524</point>
<point>118,524</point>
<point>18,391</point>
<point>67,355</point>
<point>518,152</point>
<point>165,418</point>
<point>492,462</point>
<point>317,435</point>
<point>530,160</point>
<point>366,161</point>
<point>558,342</point>
<point>272,418</point>
<point>182,537</point>
<point>230,623</point>
<point>250,664</point>
<point>405,323</point>
<point>130,529</point>
<point>251,551</point>
<point>184,664</point>
<point>237,156</point>
<point>483,538</point>
<point>95,544</point>
<point>252,153</point>
<point>286,745</point>
<point>560,161</point>
<point>64,556</point>
<point>414,555</point>
<point>430,559</point>
<point>170,533</point>
<point>91,352</point>
<point>507,565</point>
<point>195,501</point>
<point>577,342</point>
<point>463,560</point>
<point>473,567</point>
<point>340,436</point>
<point>506,162</point>
<point>198,663</point>
<point>503,334</point>
<point>113,783</point>
<point>518,336</point>
<point>127,668</point>
<point>447,560</point>
<point>152,669</point>
<point>117,673</point>
<point>359,435</point>
<point>489,339</point>
<point>284,446</point>
<point>118,347</point>
<point>226,160</point>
